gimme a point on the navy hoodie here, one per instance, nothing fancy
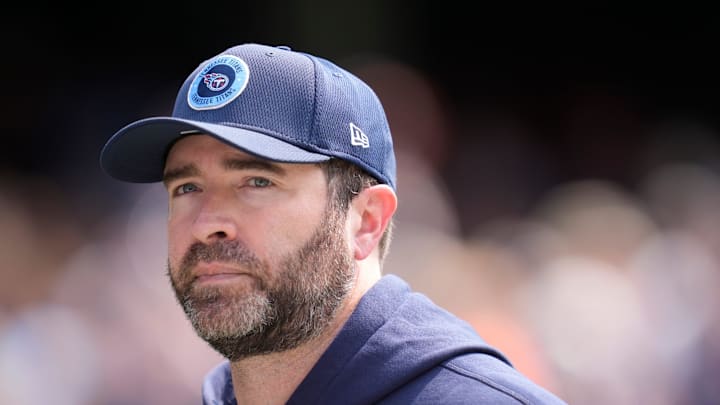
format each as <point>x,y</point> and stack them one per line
<point>398,347</point>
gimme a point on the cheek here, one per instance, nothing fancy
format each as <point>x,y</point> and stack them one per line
<point>178,241</point>
<point>290,229</point>
<point>174,254</point>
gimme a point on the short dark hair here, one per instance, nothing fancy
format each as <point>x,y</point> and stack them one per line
<point>345,182</point>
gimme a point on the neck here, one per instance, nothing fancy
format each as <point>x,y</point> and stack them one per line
<point>272,378</point>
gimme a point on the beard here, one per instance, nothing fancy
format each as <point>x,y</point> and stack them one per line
<point>276,311</point>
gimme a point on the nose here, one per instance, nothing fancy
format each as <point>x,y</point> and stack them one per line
<point>214,222</point>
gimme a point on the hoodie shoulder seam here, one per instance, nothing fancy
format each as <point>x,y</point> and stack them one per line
<point>487,381</point>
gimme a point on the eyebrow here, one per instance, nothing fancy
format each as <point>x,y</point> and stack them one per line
<point>242,164</point>
<point>190,170</point>
<point>179,173</point>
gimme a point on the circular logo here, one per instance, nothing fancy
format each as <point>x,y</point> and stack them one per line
<point>218,83</point>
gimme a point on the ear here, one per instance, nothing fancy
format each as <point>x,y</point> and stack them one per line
<point>371,211</point>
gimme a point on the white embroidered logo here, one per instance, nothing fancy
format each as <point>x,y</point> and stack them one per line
<point>358,137</point>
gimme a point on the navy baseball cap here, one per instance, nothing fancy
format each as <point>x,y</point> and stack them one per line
<point>272,102</point>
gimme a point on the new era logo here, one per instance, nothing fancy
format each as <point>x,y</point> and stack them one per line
<point>358,137</point>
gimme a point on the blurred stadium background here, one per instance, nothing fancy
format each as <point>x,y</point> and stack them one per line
<point>558,180</point>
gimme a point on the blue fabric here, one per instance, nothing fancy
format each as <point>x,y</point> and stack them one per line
<point>400,348</point>
<point>269,101</point>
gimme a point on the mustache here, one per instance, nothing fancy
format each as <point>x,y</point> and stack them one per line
<point>220,251</point>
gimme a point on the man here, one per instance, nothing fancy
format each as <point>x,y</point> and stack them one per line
<point>280,173</point>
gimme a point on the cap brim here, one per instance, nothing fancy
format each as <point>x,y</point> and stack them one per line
<point>137,152</point>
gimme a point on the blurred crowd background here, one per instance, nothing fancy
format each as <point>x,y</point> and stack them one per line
<point>559,188</point>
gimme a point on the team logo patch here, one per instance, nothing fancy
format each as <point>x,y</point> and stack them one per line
<point>218,83</point>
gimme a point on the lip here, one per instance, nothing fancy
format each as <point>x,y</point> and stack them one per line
<point>219,278</point>
<point>216,272</point>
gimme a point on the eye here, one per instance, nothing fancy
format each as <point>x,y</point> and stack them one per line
<point>260,182</point>
<point>186,188</point>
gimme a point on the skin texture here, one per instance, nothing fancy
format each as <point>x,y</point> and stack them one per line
<point>266,267</point>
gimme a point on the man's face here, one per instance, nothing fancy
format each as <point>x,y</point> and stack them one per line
<point>258,256</point>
